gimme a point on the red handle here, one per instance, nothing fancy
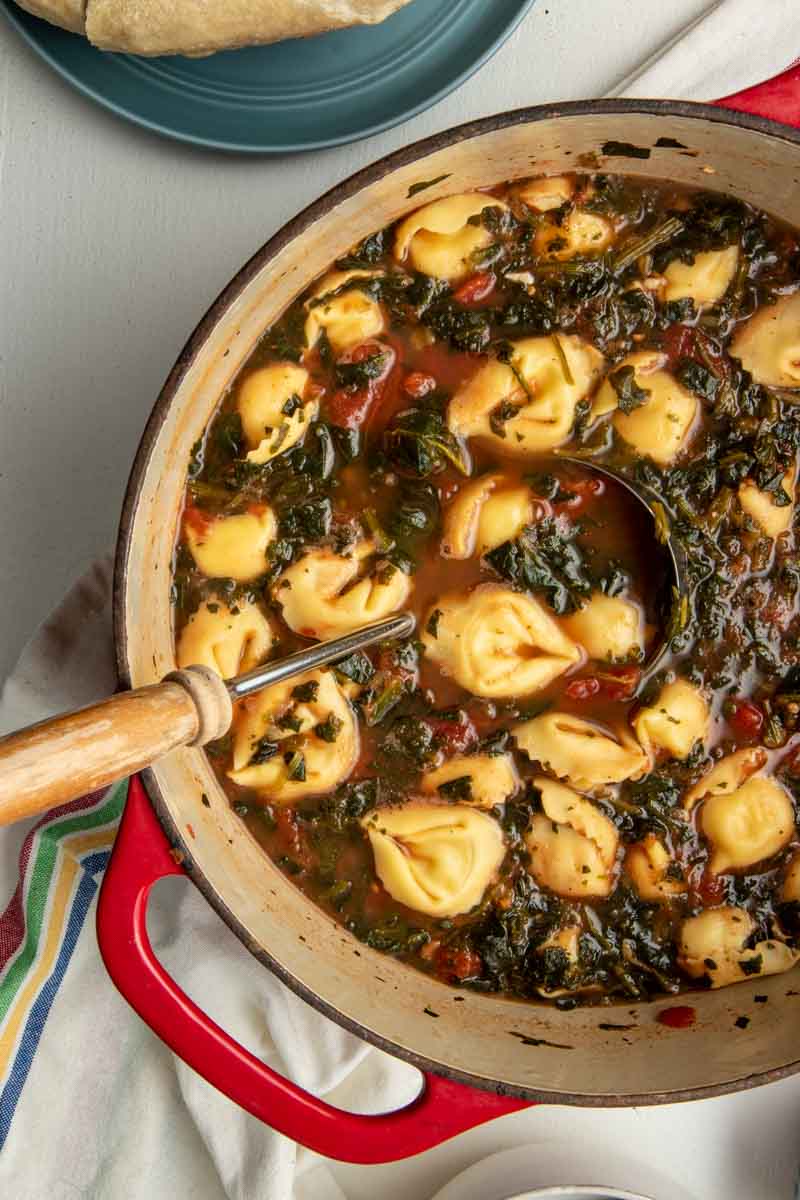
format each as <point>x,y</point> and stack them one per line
<point>778,98</point>
<point>142,855</point>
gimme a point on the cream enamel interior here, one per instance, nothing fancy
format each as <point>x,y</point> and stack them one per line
<point>475,1037</point>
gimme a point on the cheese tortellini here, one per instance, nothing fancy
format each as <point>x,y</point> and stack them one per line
<point>771,518</point>
<point>224,639</point>
<point>584,754</point>
<point>714,944</point>
<point>749,825</point>
<point>727,775</point>
<point>483,514</point>
<point>523,419</point>
<point>347,314</point>
<point>746,816</point>
<point>653,872</point>
<point>660,426</point>
<point>295,739</point>
<point>768,345</point>
<point>572,844</point>
<point>232,547</point>
<point>439,240</point>
<point>580,232</point>
<point>496,642</point>
<point>480,779</point>
<point>706,280</point>
<point>325,594</point>
<point>543,195</point>
<point>436,859</point>
<point>274,415</point>
<point>677,719</point>
<point>608,627</point>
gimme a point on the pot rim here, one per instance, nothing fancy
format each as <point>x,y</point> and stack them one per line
<point>340,191</point>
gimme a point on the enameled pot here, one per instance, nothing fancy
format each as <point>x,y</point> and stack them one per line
<point>482,1055</point>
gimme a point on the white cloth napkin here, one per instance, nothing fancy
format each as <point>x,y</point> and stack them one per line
<point>732,45</point>
<point>107,1111</point>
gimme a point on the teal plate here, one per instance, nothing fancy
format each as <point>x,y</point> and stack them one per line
<point>296,95</point>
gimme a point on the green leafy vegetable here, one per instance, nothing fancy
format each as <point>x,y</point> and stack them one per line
<point>355,375</point>
<point>329,729</point>
<point>295,766</point>
<point>629,393</point>
<point>420,443</point>
<point>356,667</point>
<point>545,559</point>
<point>663,232</point>
<point>456,789</point>
<point>263,751</point>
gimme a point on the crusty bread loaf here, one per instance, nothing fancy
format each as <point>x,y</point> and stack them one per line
<point>66,13</point>
<point>197,27</point>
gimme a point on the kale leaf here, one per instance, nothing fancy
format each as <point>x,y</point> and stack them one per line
<point>419,443</point>
<point>629,394</point>
<point>546,559</point>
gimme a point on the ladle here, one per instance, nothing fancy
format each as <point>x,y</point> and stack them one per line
<point>663,534</point>
<point>67,756</point>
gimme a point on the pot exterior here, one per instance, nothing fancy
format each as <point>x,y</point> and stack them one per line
<point>596,1056</point>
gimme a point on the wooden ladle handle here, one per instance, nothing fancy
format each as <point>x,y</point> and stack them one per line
<point>67,756</point>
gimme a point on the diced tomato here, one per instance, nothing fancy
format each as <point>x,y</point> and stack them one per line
<point>583,689</point>
<point>456,964</point>
<point>453,736</point>
<point>619,683</point>
<point>350,409</point>
<point>476,288</point>
<point>679,1016</point>
<point>744,717</point>
<point>678,343</point>
<point>627,677</point>
<point>418,384</point>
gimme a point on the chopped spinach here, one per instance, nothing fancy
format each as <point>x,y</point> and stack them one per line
<point>546,559</point>
<point>419,443</point>
<point>630,394</point>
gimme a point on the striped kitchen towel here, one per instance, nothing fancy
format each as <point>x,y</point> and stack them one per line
<point>60,864</point>
<point>92,1104</point>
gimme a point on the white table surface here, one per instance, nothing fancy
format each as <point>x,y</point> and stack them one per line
<point>112,244</point>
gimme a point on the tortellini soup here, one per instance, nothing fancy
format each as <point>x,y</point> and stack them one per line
<point>524,797</point>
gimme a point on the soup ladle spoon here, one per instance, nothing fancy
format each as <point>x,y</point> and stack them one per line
<point>67,756</point>
<point>677,581</point>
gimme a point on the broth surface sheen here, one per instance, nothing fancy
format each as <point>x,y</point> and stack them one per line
<point>513,800</point>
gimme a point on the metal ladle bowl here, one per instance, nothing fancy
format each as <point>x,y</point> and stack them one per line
<point>664,537</point>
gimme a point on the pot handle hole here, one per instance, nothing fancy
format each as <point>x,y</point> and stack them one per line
<point>777,99</point>
<point>142,855</point>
